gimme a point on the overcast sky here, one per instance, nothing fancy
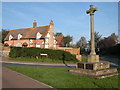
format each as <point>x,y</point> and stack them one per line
<point>69,18</point>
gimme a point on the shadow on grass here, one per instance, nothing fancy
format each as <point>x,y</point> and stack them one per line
<point>64,62</point>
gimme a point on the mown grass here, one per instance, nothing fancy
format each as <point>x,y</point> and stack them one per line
<point>61,78</point>
<point>28,59</point>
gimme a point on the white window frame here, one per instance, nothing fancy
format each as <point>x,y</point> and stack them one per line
<point>19,36</point>
<point>46,45</point>
<point>38,35</point>
<point>10,37</point>
<point>46,40</point>
<point>38,45</point>
<point>48,35</point>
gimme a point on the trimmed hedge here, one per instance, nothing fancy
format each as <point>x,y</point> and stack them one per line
<point>33,52</point>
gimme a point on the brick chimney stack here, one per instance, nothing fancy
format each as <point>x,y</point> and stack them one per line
<point>34,24</point>
<point>51,23</point>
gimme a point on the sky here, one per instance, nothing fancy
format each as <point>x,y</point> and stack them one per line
<point>119,21</point>
<point>70,18</point>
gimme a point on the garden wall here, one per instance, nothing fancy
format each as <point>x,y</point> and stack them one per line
<point>75,51</point>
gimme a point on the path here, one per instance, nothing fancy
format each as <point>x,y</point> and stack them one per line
<point>12,79</point>
<point>113,61</point>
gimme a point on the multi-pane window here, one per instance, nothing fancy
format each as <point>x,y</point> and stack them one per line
<point>38,36</point>
<point>10,37</point>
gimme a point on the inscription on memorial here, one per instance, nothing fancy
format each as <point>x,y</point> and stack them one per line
<point>89,66</point>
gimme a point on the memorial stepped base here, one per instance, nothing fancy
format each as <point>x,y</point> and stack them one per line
<point>97,74</point>
<point>94,69</point>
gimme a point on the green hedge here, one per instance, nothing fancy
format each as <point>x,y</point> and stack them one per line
<point>33,52</point>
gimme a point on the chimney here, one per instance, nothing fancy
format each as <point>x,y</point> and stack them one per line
<point>51,23</point>
<point>34,24</point>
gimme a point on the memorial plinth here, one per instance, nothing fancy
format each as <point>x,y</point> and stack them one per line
<point>93,58</point>
<point>97,74</point>
<point>93,65</point>
<point>94,68</point>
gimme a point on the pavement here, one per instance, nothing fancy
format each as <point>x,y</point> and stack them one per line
<point>113,61</point>
<point>12,79</point>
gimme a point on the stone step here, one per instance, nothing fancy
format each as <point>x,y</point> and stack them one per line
<point>95,73</point>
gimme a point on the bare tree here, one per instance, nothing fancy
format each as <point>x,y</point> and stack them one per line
<point>3,34</point>
<point>107,42</point>
<point>82,42</point>
<point>66,40</point>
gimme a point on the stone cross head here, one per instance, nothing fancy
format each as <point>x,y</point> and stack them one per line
<point>91,10</point>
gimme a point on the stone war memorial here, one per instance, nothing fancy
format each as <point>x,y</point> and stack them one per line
<point>93,67</point>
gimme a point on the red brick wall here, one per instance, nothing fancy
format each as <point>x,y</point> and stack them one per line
<point>75,51</point>
<point>33,44</point>
<point>51,38</point>
<point>6,48</point>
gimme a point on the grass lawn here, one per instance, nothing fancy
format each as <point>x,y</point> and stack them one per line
<point>28,59</point>
<point>61,78</point>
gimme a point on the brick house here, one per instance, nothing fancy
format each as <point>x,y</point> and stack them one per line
<point>42,36</point>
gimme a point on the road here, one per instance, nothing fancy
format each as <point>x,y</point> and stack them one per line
<point>12,79</point>
<point>6,61</point>
<point>113,61</point>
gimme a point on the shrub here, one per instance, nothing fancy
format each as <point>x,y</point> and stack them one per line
<point>114,50</point>
<point>33,52</point>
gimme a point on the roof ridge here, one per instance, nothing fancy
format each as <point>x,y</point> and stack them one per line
<point>20,29</point>
<point>43,26</point>
<point>28,28</point>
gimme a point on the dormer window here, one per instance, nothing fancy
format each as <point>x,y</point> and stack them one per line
<point>19,36</point>
<point>38,36</point>
<point>48,35</point>
<point>10,37</point>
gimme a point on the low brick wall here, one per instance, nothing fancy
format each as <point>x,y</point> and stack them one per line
<point>5,53</point>
<point>79,57</point>
<point>6,48</point>
<point>75,51</point>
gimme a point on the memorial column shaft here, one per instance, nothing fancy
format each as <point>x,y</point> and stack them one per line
<point>92,35</point>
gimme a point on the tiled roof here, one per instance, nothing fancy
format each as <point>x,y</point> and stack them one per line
<point>28,32</point>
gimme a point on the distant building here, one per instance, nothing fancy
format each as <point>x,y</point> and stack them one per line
<point>59,37</point>
<point>42,36</point>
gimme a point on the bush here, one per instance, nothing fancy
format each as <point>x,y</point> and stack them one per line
<point>33,52</point>
<point>114,50</point>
